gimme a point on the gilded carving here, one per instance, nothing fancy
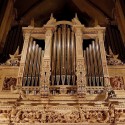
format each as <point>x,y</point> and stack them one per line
<point>8,82</point>
<point>45,114</point>
<point>117,83</point>
<point>113,60</point>
<point>4,116</point>
<point>120,115</point>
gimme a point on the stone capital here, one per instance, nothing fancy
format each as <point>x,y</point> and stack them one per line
<point>78,28</point>
<point>50,28</point>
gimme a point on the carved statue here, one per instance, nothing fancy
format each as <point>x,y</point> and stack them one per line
<point>82,115</point>
<point>44,116</point>
<point>13,112</point>
<point>18,116</point>
<point>107,116</point>
<point>22,94</point>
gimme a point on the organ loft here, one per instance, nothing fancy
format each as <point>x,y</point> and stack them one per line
<point>62,62</point>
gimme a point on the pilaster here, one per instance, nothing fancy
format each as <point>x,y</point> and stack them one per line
<point>23,56</point>
<point>46,68</point>
<point>100,37</point>
<point>80,67</point>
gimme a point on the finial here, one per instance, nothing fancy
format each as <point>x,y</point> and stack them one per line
<point>17,51</point>
<point>110,51</point>
<point>96,22</point>
<point>52,20</point>
<point>51,17</point>
<point>32,23</point>
<point>76,15</point>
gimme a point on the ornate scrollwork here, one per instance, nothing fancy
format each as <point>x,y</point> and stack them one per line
<point>8,82</point>
<point>113,60</point>
<point>117,83</point>
<point>45,114</point>
<point>14,59</point>
<point>120,115</point>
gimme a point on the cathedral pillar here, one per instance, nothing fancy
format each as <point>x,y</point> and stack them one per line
<point>80,67</point>
<point>103,56</point>
<point>6,22</point>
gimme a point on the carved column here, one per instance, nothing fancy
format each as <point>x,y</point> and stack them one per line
<point>103,56</point>
<point>23,55</point>
<point>80,67</point>
<point>6,22</point>
<point>46,68</point>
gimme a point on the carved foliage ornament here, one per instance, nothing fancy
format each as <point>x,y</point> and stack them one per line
<point>47,115</point>
<point>26,116</point>
<point>117,83</point>
<point>9,82</point>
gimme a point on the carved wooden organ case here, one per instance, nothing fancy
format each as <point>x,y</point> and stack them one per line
<point>72,62</point>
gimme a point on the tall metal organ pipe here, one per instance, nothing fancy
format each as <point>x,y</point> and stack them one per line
<point>63,56</point>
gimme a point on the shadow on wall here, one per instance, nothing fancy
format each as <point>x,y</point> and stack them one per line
<point>14,39</point>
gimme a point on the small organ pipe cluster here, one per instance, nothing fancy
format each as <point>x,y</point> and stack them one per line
<point>31,76</point>
<point>63,57</point>
<point>93,62</point>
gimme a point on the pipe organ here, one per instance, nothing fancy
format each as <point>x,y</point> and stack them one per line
<point>61,68</point>
<point>62,78</point>
<point>64,67</point>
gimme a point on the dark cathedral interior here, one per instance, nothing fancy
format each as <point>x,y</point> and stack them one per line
<point>90,13</point>
<point>62,62</point>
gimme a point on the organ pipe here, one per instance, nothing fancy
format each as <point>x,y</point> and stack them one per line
<point>26,64</point>
<point>69,49</point>
<point>54,58</point>
<point>58,56</point>
<point>91,60</point>
<point>34,67</point>
<point>73,58</point>
<point>94,58</point>
<point>68,52</point>
<point>63,50</point>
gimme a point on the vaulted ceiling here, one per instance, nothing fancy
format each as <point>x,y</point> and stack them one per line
<point>89,12</point>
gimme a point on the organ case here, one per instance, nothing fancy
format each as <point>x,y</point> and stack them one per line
<point>63,67</point>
